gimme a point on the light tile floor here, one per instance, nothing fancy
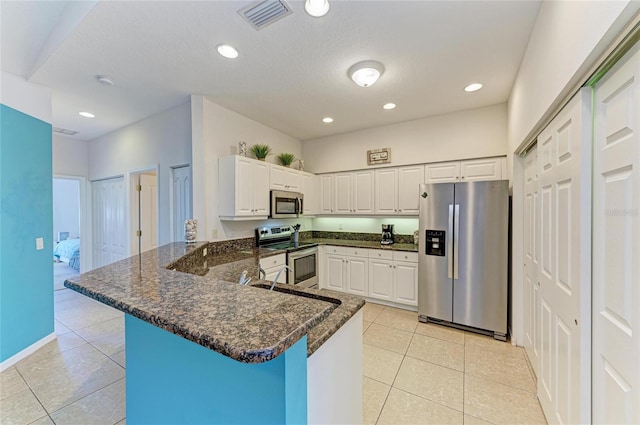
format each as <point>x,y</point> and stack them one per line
<point>416,373</point>
<point>413,373</point>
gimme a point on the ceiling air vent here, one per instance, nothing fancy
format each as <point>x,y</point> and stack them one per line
<point>64,131</point>
<point>265,12</point>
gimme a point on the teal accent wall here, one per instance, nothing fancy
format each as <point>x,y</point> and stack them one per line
<point>26,211</point>
<point>171,380</point>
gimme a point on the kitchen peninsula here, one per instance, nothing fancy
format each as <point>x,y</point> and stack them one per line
<point>202,349</point>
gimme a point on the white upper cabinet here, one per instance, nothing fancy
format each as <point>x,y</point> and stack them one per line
<point>386,191</point>
<point>482,169</point>
<point>309,188</point>
<point>396,190</point>
<point>409,181</point>
<point>469,170</point>
<point>243,185</point>
<point>326,194</point>
<point>353,192</point>
<point>284,178</point>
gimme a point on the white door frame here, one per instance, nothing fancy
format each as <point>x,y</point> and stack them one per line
<point>132,202</point>
<point>86,235</point>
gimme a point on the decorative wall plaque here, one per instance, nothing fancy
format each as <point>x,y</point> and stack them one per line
<point>379,156</point>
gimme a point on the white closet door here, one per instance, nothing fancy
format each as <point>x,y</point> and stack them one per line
<point>531,301</point>
<point>563,376</point>
<point>616,245</point>
<point>181,196</point>
<point>109,221</point>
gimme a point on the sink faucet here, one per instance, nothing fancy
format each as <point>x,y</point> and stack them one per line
<point>278,275</point>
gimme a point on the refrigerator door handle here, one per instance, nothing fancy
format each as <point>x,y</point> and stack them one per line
<point>456,240</point>
<point>449,243</point>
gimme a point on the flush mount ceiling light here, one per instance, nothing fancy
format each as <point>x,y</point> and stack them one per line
<point>86,114</point>
<point>473,87</point>
<point>227,51</point>
<point>316,8</point>
<point>327,120</point>
<point>104,80</point>
<point>366,73</point>
<point>389,106</point>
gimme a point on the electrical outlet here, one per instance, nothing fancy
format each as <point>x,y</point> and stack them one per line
<point>340,226</point>
<point>39,243</point>
<point>214,233</point>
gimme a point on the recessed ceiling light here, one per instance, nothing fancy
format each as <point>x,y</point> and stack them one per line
<point>473,87</point>
<point>316,8</point>
<point>389,106</point>
<point>86,114</point>
<point>227,51</point>
<point>327,120</point>
<point>366,73</point>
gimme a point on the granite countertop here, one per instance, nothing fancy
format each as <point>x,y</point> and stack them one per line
<point>363,244</point>
<point>246,323</point>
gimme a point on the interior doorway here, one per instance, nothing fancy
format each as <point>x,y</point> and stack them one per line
<point>144,211</point>
<point>66,229</point>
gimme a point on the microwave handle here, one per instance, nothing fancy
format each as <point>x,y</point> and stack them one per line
<point>298,206</point>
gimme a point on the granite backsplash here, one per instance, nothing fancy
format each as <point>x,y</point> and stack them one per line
<point>369,237</point>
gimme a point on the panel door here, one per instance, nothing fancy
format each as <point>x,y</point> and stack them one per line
<point>531,294</point>
<point>326,194</point>
<point>481,169</point>
<point>342,193</point>
<point>181,200</point>
<point>406,282</point>
<point>381,279</point>
<point>109,221</point>
<point>616,245</point>
<point>276,177</point>
<point>442,172</point>
<point>357,275</point>
<point>386,191</point>
<point>335,272</point>
<point>564,369</point>
<point>148,212</point>
<point>292,180</point>
<point>409,180</point>
<point>260,188</point>
<point>363,192</point>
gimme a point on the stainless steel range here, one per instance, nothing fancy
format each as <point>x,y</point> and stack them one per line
<point>302,258</point>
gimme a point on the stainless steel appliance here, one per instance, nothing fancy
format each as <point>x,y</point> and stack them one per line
<point>302,258</point>
<point>463,255</point>
<point>285,204</point>
<point>387,234</point>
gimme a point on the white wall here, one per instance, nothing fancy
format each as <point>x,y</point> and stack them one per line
<point>28,98</point>
<point>473,133</point>
<point>217,132</point>
<point>567,38</point>
<point>70,156</point>
<point>66,207</point>
<point>162,140</point>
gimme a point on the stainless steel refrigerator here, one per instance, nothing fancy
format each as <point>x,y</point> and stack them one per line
<point>463,255</point>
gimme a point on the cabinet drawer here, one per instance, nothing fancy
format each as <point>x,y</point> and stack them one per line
<point>381,253</point>
<point>273,261</point>
<point>411,257</point>
<point>356,252</point>
<point>339,250</point>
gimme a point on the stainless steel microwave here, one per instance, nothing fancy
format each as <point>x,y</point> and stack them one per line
<point>285,204</point>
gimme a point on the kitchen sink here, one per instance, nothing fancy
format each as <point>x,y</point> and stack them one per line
<point>292,291</point>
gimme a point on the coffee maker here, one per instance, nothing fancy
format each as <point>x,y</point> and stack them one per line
<point>387,234</point>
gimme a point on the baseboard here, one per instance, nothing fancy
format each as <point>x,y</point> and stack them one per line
<point>27,351</point>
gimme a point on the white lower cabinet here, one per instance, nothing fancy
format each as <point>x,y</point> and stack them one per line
<point>272,265</point>
<point>375,273</point>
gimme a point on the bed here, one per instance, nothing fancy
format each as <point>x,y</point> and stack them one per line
<point>68,251</point>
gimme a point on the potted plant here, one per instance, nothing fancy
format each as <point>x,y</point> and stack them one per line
<point>260,151</point>
<point>286,159</point>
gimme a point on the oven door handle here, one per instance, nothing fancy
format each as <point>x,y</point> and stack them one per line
<point>297,254</point>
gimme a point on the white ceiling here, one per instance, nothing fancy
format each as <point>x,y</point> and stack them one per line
<point>289,75</point>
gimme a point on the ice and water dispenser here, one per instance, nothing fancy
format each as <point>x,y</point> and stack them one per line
<point>434,242</point>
